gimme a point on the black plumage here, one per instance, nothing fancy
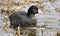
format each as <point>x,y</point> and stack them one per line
<point>24,19</point>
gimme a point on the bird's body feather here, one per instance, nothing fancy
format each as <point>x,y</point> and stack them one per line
<point>22,19</point>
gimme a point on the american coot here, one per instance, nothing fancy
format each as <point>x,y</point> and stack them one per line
<point>24,19</point>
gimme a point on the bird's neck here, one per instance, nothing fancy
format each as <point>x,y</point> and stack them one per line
<point>30,15</point>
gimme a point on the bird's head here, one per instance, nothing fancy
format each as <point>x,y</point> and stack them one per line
<point>32,10</point>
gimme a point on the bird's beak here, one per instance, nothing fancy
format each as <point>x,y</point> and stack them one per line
<point>39,11</point>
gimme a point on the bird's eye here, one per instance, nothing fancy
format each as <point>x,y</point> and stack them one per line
<point>35,11</point>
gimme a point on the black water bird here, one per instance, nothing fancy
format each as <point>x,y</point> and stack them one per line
<point>24,19</point>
